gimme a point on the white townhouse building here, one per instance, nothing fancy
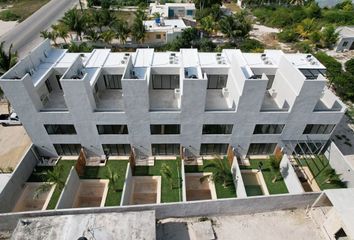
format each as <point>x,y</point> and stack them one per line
<point>173,10</point>
<point>161,102</point>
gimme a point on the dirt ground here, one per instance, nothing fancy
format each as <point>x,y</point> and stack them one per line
<point>14,141</point>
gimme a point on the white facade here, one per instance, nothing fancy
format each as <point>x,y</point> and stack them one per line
<point>173,10</point>
<point>184,91</point>
<point>345,38</point>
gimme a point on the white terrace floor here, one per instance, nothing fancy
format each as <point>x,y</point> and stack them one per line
<point>279,225</point>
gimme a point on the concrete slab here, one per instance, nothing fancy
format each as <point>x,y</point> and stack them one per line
<point>201,230</point>
<point>128,226</point>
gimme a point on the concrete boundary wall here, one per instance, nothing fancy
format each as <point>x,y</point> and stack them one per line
<point>183,177</point>
<point>238,206</point>
<point>68,194</point>
<point>238,180</point>
<point>13,189</point>
<point>338,162</point>
<point>127,188</point>
<point>291,180</point>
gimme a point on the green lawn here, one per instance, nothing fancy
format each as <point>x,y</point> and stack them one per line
<point>167,194</point>
<point>37,176</point>
<point>20,9</point>
<point>318,167</point>
<point>221,192</point>
<point>277,187</point>
<point>113,197</point>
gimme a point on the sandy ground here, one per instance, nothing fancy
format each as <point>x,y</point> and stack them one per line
<point>267,35</point>
<point>279,225</point>
<point>341,57</point>
<point>6,26</point>
<point>14,141</point>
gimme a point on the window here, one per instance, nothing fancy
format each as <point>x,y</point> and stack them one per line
<point>49,87</point>
<point>165,149</point>
<point>112,129</point>
<point>113,81</point>
<point>217,81</point>
<point>318,128</point>
<point>67,149</point>
<point>261,148</point>
<point>312,73</point>
<point>158,36</point>
<point>268,129</point>
<point>217,128</point>
<point>165,81</point>
<point>117,149</point>
<point>165,129</point>
<point>213,148</point>
<point>53,129</point>
<point>190,12</point>
<point>308,148</point>
<point>345,43</point>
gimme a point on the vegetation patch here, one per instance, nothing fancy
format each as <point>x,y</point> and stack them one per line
<point>324,174</point>
<point>20,9</point>
<point>170,172</point>
<point>222,176</point>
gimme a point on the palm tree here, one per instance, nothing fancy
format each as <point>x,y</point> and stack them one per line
<point>166,173</point>
<point>333,178</point>
<point>7,59</point>
<point>75,21</point>
<point>61,30</point>
<point>138,28</point>
<point>50,35</point>
<point>93,35</point>
<point>221,172</point>
<point>329,36</point>
<point>275,168</point>
<point>113,179</point>
<point>52,177</point>
<point>236,26</point>
<point>208,24</point>
<point>121,28</point>
<point>306,27</point>
<point>108,36</point>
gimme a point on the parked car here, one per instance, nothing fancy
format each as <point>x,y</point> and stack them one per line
<point>9,119</point>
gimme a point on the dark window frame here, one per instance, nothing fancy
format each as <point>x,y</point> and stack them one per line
<point>60,129</point>
<point>213,148</point>
<point>268,129</point>
<point>217,129</point>
<point>67,149</point>
<point>319,129</point>
<point>165,149</point>
<point>261,148</point>
<point>170,82</point>
<point>218,81</point>
<point>117,149</point>
<point>114,129</point>
<point>112,81</point>
<point>165,129</point>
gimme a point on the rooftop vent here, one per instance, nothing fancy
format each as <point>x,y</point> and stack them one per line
<point>265,59</point>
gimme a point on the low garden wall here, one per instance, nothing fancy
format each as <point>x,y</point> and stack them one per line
<point>127,188</point>
<point>238,206</point>
<point>291,180</point>
<point>67,196</point>
<point>339,163</point>
<point>238,180</point>
<point>13,188</point>
<point>183,177</point>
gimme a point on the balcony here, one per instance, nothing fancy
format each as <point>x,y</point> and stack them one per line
<point>219,100</point>
<point>270,105</point>
<point>54,102</point>
<point>109,100</point>
<point>164,100</point>
<point>329,103</point>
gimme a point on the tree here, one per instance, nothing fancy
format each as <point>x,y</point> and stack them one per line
<point>201,4</point>
<point>138,28</point>
<point>221,172</point>
<point>236,26</point>
<point>275,168</point>
<point>121,29</point>
<point>7,58</point>
<point>50,35</point>
<point>108,36</point>
<point>61,30</point>
<point>288,35</point>
<point>75,21</point>
<point>332,177</point>
<point>52,177</point>
<point>166,173</point>
<point>92,35</point>
<point>306,27</point>
<point>113,177</point>
<point>297,2</point>
<point>208,24</point>
<point>349,66</point>
<point>329,36</point>
<point>83,47</point>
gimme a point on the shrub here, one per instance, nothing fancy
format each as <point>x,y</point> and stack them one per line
<point>304,46</point>
<point>288,35</point>
<point>334,68</point>
<point>251,45</point>
<point>349,66</point>
<point>8,15</point>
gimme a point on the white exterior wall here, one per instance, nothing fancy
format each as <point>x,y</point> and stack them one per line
<point>247,95</point>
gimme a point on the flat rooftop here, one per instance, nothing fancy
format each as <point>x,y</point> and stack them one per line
<point>278,225</point>
<point>129,225</point>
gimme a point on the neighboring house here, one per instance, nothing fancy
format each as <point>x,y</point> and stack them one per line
<point>163,31</point>
<point>329,3</point>
<point>162,103</point>
<point>173,10</point>
<point>345,38</point>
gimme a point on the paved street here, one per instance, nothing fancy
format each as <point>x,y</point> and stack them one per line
<point>26,34</point>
